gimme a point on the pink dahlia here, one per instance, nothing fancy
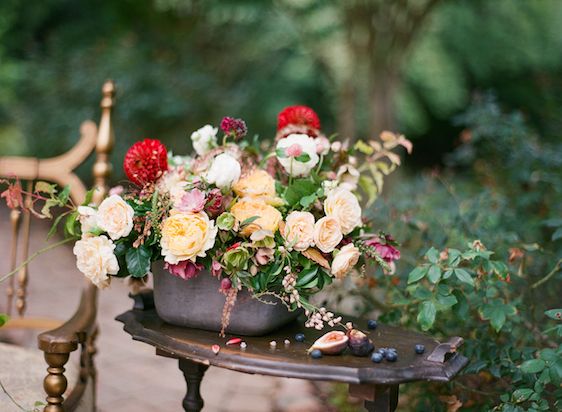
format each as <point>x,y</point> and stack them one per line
<point>385,247</point>
<point>146,161</point>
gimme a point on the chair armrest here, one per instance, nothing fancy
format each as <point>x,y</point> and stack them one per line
<point>69,335</point>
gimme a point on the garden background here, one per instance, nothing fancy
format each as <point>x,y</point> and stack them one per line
<point>476,85</point>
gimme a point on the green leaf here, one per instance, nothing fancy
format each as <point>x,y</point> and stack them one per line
<point>280,153</point>
<point>138,261</point>
<point>70,224</point>
<point>306,201</point>
<point>521,395</point>
<point>447,274</point>
<point>496,312</point>
<point>464,276</point>
<point>303,158</point>
<point>307,276</point>
<point>445,302</point>
<point>417,274</point>
<point>555,314</point>
<point>64,195</point>
<point>533,366</point>
<point>248,221</point>
<point>299,189</point>
<point>434,274</point>
<point>432,255</point>
<point>44,187</point>
<point>426,317</point>
<point>46,209</point>
<point>454,257</point>
<point>4,318</point>
<point>89,196</point>
<point>54,226</point>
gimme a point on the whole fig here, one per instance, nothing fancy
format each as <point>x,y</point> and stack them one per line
<point>359,343</point>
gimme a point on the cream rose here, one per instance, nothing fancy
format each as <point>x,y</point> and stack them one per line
<point>299,230</point>
<point>95,259</point>
<point>344,206</point>
<point>173,182</point>
<point>327,234</point>
<point>345,260</point>
<point>186,236</point>
<point>307,145</point>
<point>88,219</point>
<point>224,171</point>
<point>269,217</point>
<point>115,216</point>
<point>204,139</point>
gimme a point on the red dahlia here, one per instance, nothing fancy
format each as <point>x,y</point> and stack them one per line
<point>146,161</point>
<point>298,115</point>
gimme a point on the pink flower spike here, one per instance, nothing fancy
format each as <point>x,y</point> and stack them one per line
<point>215,348</point>
<point>295,150</point>
<point>185,269</point>
<point>234,341</point>
<point>192,201</point>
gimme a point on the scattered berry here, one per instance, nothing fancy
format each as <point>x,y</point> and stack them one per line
<point>419,348</point>
<point>383,351</point>
<point>376,357</point>
<point>233,341</point>
<point>391,356</point>
<point>287,342</point>
<point>215,349</point>
<point>316,354</point>
<point>392,350</point>
<point>299,337</point>
<point>372,324</point>
<point>243,345</point>
<point>273,344</point>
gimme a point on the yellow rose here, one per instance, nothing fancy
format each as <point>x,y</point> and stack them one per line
<point>258,183</point>
<point>344,206</point>
<point>299,230</point>
<point>269,217</point>
<point>344,261</point>
<point>327,234</point>
<point>186,236</point>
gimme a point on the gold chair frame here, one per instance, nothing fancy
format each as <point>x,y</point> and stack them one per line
<point>79,331</point>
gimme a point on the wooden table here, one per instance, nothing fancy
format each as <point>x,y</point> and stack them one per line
<point>376,384</point>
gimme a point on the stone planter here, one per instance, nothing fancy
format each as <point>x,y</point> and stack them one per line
<point>197,303</point>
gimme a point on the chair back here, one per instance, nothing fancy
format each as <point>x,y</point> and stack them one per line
<point>98,139</point>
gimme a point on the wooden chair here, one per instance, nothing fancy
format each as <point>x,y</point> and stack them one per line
<point>58,339</point>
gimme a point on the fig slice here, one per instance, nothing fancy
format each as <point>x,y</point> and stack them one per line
<point>331,343</point>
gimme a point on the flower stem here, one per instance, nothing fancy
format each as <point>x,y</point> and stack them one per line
<point>10,397</point>
<point>548,276</point>
<point>34,255</point>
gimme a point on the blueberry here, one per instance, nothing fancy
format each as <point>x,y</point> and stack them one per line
<point>383,352</point>
<point>391,356</point>
<point>376,357</point>
<point>316,354</point>
<point>299,337</point>
<point>372,324</point>
<point>419,348</point>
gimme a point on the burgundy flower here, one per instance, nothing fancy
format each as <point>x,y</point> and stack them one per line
<point>145,161</point>
<point>185,269</point>
<point>234,127</point>
<point>216,268</point>
<point>384,246</point>
<point>214,202</point>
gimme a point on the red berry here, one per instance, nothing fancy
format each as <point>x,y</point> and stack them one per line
<point>226,284</point>
<point>146,161</point>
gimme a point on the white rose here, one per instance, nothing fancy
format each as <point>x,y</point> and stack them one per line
<point>308,146</point>
<point>299,230</point>
<point>115,216</point>
<point>348,176</point>
<point>345,260</point>
<point>88,218</point>
<point>95,259</point>
<point>344,206</point>
<point>224,171</point>
<point>204,139</point>
<point>327,234</point>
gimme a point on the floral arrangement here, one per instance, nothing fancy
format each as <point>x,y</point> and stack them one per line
<point>282,219</point>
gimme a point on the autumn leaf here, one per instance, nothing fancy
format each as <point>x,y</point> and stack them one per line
<point>315,255</point>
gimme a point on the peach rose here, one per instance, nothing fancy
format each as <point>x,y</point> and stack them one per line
<point>299,230</point>
<point>115,216</point>
<point>186,236</point>
<point>345,260</point>
<point>327,234</point>
<point>344,206</point>
<point>269,217</point>
<point>258,184</point>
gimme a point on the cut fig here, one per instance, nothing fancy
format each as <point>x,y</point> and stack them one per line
<point>332,343</point>
<point>359,343</point>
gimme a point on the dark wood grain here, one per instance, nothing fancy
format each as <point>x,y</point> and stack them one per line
<point>292,360</point>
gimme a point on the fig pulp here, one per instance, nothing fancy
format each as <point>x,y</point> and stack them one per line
<point>332,343</point>
<point>359,343</point>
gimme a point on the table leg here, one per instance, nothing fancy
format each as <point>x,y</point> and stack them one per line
<point>193,373</point>
<point>378,398</point>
